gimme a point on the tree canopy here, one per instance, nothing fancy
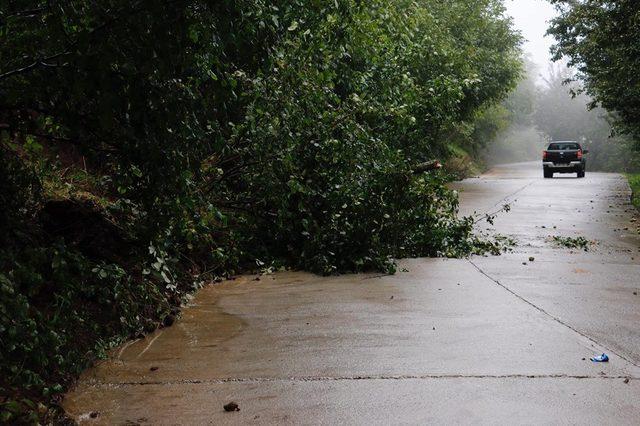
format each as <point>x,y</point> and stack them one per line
<point>277,114</point>
<point>149,146</point>
<point>601,40</point>
<point>562,113</point>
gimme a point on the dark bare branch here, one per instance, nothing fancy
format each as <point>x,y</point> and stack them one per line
<point>45,62</point>
<point>429,166</point>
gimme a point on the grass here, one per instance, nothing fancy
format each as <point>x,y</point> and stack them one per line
<point>634,182</point>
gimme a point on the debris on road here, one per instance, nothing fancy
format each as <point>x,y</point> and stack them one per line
<point>532,259</point>
<point>600,358</point>
<point>569,242</point>
<point>626,380</point>
<point>232,406</point>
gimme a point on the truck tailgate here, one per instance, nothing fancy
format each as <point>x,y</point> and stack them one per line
<point>562,157</point>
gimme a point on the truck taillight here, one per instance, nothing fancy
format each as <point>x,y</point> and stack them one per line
<point>579,154</point>
<point>544,155</point>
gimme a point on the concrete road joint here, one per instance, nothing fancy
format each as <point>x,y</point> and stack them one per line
<point>554,318</point>
<point>360,378</point>
<point>505,200</point>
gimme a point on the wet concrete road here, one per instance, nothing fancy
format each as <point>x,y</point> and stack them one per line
<point>486,340</point>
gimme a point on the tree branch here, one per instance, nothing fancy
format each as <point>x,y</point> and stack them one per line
<point>23,13</point>
<point>427,167</point>
<point>39,62</point>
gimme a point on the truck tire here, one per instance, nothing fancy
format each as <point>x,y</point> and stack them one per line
<point>548,175</point>
<point>581,174</point>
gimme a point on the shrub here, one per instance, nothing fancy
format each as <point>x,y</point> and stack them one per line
<point>195,139</point>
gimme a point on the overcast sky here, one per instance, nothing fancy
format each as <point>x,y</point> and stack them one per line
<point>531,17</point>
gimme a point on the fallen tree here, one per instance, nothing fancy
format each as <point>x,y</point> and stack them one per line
<point>174,143</point>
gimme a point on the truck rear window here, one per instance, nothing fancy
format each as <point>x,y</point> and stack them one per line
<point>563,146</point>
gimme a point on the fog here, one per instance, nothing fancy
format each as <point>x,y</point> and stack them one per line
<point>545,107</point>
<point>531,18</point>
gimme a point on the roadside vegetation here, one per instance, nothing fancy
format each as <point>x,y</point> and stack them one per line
<point>557,108</point>
<point>565,112</point>
<point>590,95</point>
<point>148,147</point>
<point>634,182</point>
<point>599,38</point>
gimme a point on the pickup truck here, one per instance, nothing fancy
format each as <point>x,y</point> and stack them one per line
<point>564,157</point>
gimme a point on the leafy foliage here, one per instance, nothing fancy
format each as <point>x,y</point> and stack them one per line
<point>562,113</point>
<point>572,242</point>
<point>341,130</point>
<point>175,142</point>
<point>558,109</point>
<point>634,182</point>
<point>46,334</point>
<point>600,38</point>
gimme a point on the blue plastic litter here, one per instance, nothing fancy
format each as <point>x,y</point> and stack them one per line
<point>601,358</point>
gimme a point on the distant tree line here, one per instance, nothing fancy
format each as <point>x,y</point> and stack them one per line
<point>554,106</point>
<point>565,112</point>
<point>601,39</point>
